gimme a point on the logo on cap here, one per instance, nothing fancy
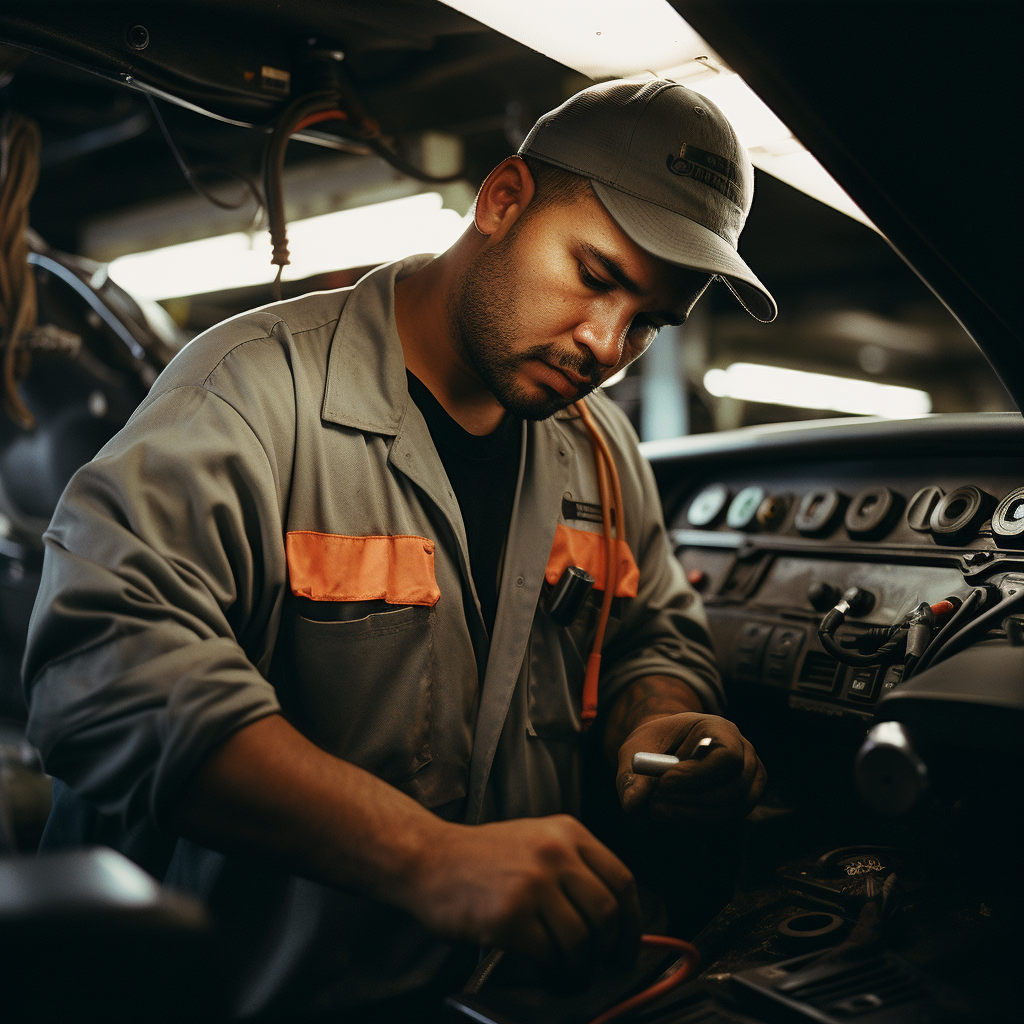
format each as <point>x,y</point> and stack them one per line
<point>709,168</point>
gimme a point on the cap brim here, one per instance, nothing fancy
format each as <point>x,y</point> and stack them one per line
<point>684,243</point>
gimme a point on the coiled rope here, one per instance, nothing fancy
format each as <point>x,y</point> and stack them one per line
<point>19,173</point>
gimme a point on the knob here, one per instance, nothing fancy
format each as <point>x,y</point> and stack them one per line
<point>822,596</point>
<point>891,778</point>
<point>860,601</point>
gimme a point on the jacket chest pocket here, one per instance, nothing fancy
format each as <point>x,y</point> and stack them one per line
<point>558,658</point>
<point>361,688</point>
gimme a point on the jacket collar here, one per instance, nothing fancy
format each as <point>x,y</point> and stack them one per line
<point>366,382</point>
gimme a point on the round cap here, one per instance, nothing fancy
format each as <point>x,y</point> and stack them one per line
<point>669,169</point>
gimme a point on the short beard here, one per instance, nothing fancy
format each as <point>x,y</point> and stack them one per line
<point>485,325</point>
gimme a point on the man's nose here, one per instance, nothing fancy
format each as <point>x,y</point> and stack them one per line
<point>602,335</point>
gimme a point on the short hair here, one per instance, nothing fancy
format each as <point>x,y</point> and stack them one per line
<point>554,186</point>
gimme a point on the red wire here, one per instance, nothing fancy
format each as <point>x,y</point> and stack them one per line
<point>687,963</point>
<point>323,115</point>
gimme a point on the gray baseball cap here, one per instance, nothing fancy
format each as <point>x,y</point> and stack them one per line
<point>668,167</point>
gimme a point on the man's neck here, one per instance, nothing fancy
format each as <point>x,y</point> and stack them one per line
<point>422,301</point>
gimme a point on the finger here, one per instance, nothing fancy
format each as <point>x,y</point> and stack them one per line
<point>620,882</point>
<point>757,787</point>
<point>569,933</point>
<point>634,790</point>
<point>530,938</point>
<point>721,766</point>
<point>721,786</point>
<point>735,798</point>
<point>597,905</point>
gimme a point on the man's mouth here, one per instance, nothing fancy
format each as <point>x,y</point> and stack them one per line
<point>567,383</point>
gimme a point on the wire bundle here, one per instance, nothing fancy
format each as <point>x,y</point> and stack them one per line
<point>19,173</point>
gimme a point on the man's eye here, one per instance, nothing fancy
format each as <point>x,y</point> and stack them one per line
<point>588,279</point>
<point>643,325</point>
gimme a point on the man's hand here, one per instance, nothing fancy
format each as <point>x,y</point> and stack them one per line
<point>541,888</point>
<point>712,783</point>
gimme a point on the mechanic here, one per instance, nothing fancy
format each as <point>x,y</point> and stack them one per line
<point>291,652</point>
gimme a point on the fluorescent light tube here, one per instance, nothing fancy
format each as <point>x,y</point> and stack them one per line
<point>777,385</point>
<point>334,241</point>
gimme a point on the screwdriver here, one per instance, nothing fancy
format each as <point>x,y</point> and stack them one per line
<point>645,763</point>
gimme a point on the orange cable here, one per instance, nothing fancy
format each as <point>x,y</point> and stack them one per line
<point>605,470</point>
<point>667,983</point>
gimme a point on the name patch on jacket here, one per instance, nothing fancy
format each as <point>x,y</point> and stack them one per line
<point>584,511</point>
<point>333,567</point>
<point>587,550</point>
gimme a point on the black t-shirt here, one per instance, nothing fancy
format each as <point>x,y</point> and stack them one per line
<point>483,471</point>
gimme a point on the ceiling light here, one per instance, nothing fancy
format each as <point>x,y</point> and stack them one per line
<point>776,385</point>
<point>599,38</point>
<point>612,39</point>
<point>365,236</point>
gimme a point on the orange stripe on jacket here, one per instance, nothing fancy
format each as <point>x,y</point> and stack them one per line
<point>587,550</point>
<point>332,567</point>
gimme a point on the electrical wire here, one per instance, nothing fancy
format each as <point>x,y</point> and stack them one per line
<point>981,624</point>
<point>671,980</point>
<point>251,188</point>
<point>964,612</point>
<point>606,472</point>
<point>19,163</point>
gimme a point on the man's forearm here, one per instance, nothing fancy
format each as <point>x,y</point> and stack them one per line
<point>544,888</point>
<point>646,698</point>
<point>269,792</point>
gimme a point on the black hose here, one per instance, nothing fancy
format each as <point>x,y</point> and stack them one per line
<point>273,167</point>
<point>981,624</point>
<point>831,621</point>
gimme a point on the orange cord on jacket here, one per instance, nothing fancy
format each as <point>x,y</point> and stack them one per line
<point>664,985</point>
<point>605,471</point>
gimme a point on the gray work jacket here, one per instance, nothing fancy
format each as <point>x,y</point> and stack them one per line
<point>273,531</point>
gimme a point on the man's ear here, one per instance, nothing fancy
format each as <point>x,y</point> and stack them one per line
<point>503,197</point>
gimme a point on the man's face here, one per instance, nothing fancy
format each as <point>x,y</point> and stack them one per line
<point>561,303</point>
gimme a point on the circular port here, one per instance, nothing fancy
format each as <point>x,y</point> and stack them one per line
<point>958,515</point>
<point>921,507</point>
<point>772,511</point>
<point>744,508</point>
<point>808,931</point>
<point>1008,518</point>
<point>870,512</point>
<point>708,505</point>
<point>138,37</point>
<point>817,511</point>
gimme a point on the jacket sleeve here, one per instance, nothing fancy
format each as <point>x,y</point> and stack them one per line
<point>663,630</point>
<point>162,579</point>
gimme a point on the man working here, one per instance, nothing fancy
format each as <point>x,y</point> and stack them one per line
<point>292,651</point>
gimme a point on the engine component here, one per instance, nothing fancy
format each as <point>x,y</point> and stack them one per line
<point>957,516</point>
<point>1008,518</point>
<point>743,510</point>
<point>708,505</point>
<point>818,510</point>
<point>922,504</point>
<point>891,777</point>
<point>871,513</point>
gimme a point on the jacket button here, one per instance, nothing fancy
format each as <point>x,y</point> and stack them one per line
<point>519,581</point>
